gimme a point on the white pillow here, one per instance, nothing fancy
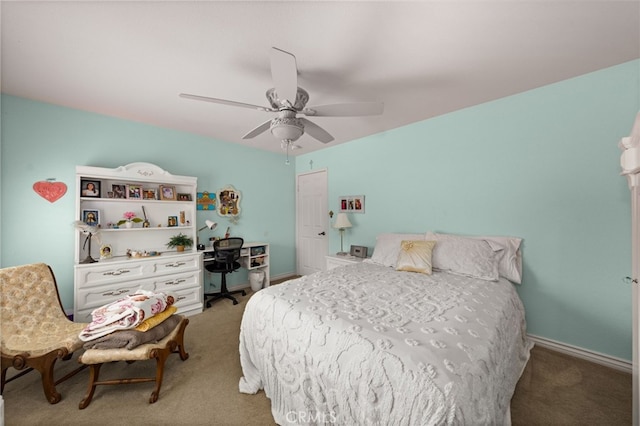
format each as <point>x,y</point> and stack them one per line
<point>466,256</point>
<point>510,263</point>
<point>387,247</point>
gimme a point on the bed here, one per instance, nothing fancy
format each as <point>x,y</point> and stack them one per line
<point>376,344</point>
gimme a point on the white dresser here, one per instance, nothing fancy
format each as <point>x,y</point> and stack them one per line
<point>97,284</point>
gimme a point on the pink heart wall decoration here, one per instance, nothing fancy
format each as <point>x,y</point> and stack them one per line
<point>50,191</point>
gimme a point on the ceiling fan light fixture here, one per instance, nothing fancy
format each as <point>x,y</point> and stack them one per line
<point>287,128</point>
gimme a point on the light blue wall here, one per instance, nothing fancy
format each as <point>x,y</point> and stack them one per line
<point>41,141</point>
<point>542,165</point>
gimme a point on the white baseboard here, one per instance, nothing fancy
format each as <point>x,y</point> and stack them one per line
<point>602,359</point>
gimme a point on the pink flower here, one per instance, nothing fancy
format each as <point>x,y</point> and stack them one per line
<point>129,215</point>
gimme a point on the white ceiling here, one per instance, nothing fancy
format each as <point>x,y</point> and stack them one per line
<point>422,59</point>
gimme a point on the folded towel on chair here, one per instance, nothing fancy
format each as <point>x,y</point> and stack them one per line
<point>125,313</point>
<point>149,323</point>
<point>131,339</point>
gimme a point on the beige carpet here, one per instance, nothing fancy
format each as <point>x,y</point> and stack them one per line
<point>203,390</point>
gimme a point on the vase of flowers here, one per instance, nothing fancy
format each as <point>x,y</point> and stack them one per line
<point>129,219</point>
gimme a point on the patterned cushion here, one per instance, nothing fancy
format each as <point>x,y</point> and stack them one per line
<point>31,318</point>
<point>415,256</point>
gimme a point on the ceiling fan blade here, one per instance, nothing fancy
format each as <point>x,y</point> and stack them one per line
<point>345,110</point>
<point>260,129</point>
<point>225,102</point>
<point>315,131</point>
<point>284,73</point>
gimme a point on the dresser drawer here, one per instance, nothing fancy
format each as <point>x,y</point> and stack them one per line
<point>189,299</point>
<point>95,275</point>
<point>172,283</point>
<point>175,264</point>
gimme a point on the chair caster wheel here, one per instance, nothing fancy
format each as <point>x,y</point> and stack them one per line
<point>235,302</point>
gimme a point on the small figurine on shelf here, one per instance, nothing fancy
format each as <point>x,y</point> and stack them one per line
<point>228,233</point>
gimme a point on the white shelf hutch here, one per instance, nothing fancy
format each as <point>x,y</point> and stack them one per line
<point>96,284</point>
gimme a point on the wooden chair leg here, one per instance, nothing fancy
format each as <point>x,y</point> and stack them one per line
<point>180,341</point>
<point>45,365</point>
<point>161,357</point>
<point>94,372</point>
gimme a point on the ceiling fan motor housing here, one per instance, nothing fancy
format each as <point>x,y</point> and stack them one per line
<point>286,126</point>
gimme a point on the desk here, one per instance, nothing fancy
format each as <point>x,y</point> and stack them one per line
<point>252,256</point>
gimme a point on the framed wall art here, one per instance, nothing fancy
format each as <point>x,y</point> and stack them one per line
<point>351,203</point>
<point>229,201</point>
<point>206,201</point>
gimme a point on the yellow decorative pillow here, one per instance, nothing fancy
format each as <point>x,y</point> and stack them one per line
<point>415,256</point>
<point>149,323</point>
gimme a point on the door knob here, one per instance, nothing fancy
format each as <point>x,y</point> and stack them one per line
<point>321,233</point>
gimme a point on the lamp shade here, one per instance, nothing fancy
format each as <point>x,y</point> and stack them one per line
<point>342,221</point>
<point>208,224</point>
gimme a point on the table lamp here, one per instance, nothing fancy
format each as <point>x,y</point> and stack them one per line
<point>341,223</point>
<point>208,224</point>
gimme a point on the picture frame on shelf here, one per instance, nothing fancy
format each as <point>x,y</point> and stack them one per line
<point>119,191</point>
<point>167,192</point>
<point>149,194</point>
<point>90,188</point>
<point>351,203</point>
<point>134,192</point>
<point>184,197</point>
<point>172,221</point>
<point>105,251</point>
<point>91,217</point>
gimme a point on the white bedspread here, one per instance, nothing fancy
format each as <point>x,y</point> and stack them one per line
<point>366,345</point>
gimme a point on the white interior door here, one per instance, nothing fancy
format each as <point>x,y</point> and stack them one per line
<point>312,221</point>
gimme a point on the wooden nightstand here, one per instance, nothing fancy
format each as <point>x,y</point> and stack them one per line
<point>333,261</point>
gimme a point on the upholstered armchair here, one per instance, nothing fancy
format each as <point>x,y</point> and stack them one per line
<point>34,331</point>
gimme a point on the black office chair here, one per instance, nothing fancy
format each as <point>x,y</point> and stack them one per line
<point>226,253</point>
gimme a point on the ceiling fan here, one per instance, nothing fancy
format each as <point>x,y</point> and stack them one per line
<point>288,100</point>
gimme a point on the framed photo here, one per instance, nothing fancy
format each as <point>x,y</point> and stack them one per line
<point>105,251</point>
<point>167,192</point>
<point>90,188</point>
<point>352,203</point>
<point>119,191</point>
<point>149,194</point>
<point>134,191</point>
<point>172,221</point>
<point>91,217</point>
<point>184,197</point>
